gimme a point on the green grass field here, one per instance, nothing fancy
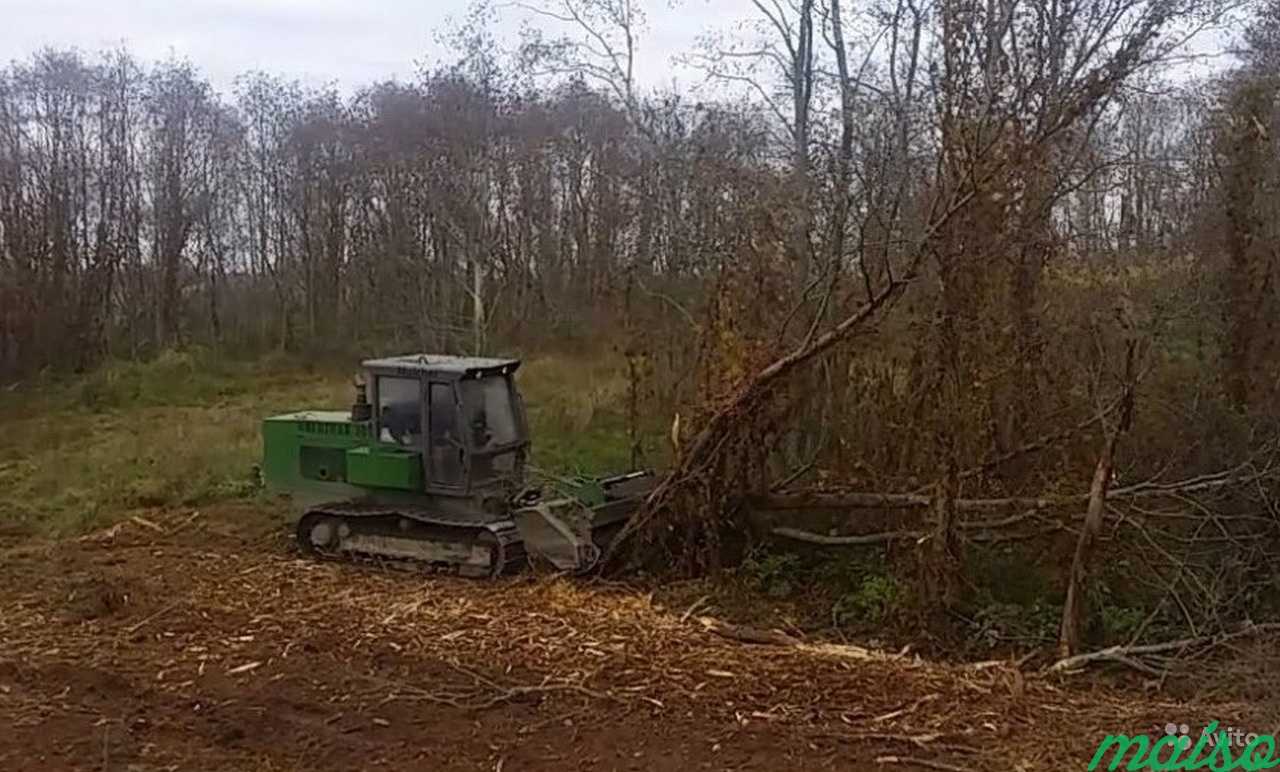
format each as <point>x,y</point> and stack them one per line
<point>183,430</point>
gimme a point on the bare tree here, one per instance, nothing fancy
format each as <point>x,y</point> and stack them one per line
<point>182,117</point>
<point>600,45</point>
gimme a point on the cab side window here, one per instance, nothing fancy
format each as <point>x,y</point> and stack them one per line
<point>399,410</point>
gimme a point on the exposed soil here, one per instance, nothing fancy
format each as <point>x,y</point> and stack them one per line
<point>184,641</point>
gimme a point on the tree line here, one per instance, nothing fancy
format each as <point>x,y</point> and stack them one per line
<point>141,209</point>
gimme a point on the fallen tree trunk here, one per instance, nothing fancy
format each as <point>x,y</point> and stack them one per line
<point>845,500</point>
<point>1022,509</point>
<point>702,467</point>
<point>846,541</point>
<point>829,499</point>
<point>698,465</point>
<point>1130,656</point>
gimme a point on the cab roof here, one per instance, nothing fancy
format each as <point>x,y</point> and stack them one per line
<point>442,364</point>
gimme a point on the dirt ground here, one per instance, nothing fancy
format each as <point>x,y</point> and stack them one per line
<point>191,640</point>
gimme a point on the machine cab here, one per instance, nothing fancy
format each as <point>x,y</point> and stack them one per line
<point>463,414</point>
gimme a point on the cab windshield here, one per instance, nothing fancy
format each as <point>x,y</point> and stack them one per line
<point>489,413</point>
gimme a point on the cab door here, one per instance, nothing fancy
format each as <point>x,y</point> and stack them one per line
<point>445,452</point>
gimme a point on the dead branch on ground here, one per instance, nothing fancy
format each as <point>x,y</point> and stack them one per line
<point>1154,658</point>
<point>1246,472</point>
<point>916,762</point>
<point>484,693</point>
<point>747,634</point>
<point>1023,509</point>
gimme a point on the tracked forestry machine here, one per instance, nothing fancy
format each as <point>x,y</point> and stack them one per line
<point>427,470</point>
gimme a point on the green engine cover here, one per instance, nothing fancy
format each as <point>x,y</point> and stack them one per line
<point>325,452</point>
<point>385,468</point>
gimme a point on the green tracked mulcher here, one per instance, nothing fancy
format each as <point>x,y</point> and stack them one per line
<point>427,470</point>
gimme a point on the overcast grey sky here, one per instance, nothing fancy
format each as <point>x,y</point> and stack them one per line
<point>352,42</point>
